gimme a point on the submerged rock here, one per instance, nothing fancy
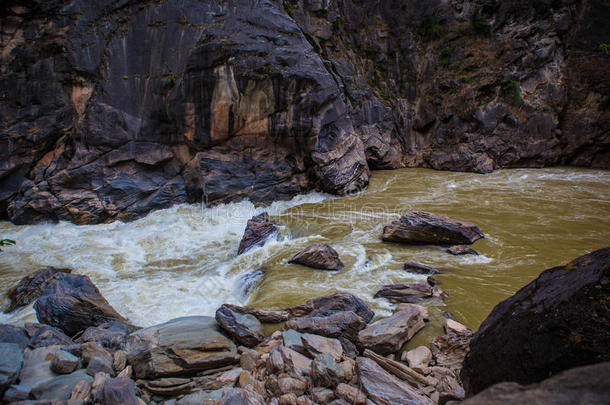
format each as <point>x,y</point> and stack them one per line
<point>182,346</point>
<point>418,268</point>
<point>425,228</point>
<point>258,230</point>
<point>462,250</point>
<point>388,335</point>
<point>245,328</point>
<point>72,303</point>
<point>579,385</point>
<point>318,256</point>
<point>405,292</point>
<point>558,321</point>
<point>31,287</point>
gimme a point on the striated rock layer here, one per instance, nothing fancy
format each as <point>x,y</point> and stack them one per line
<point>112,109</point>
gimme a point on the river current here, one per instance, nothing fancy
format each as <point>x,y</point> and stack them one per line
<point>182,260</point>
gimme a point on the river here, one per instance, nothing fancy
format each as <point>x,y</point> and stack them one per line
<point>182,260</point>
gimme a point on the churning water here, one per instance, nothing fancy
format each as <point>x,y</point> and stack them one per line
<point>182,260</point>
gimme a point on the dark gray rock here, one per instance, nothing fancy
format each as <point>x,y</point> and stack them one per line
<point>579,385</point>
<point>120,391</point>
<point>318,256</point>
<point>242,396</point>
<point>405,292</point>
<point>59,388</point>
<point>16,393</point>
<point>11,360</point>
<point>110,335</point>
<point>64,362</point>
<point>340,324</point>
<point>462,250</point>
<point>31,287</point>
<point>45,335</point>
<point>244,328</point>
<point>326,372</point>
<point>332,304</point>
<point>258,230</point>
<point>182,346</point>
<point>99,365</point>
<point>556,322</point>
<point>73,303</point>
<point>424,228</point>
<point>418,268</point>
<point>14,334</point>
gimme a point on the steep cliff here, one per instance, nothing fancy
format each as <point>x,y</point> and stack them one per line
<point>111,109</point>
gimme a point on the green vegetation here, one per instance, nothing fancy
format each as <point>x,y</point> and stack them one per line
<point>6,242</point>
<point>479,24</point>
<point>431,26</point>
<point>445,57</point>
<point>604,47</point>
<point>289,9</point>
<point>511,93</point>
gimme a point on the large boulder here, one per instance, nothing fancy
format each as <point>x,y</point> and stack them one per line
<point>405,292</point>
<point>244,328</point>
<point>318,256</point>
<point>72,303</point>
<point>258,230</point>
<point>182,346</point>
<point>331,304</point>
<point>31,287</point>
<point>579,385</point>
<point>419,268</point>
<point>556,322</point>
<point>424,228</point>
<point>388,335</point>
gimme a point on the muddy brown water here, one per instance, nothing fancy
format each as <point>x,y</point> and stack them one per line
<point>182,261</point>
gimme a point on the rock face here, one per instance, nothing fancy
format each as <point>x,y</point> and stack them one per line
<point>556,322</point>
<point>388,335</point>
<point>587,384</point>
<point>31,287</point>
<point>245,328</point>
<point>236,101</point>
<point>73,303</point>
<point>318,256</point>
<point>182,346</point>
<point>258,230</point>
<point>422,227</point>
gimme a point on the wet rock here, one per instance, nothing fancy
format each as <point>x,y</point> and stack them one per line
<point>120,391</point>
<point>462,250</point>
<point>556,322</point>
<point>60,387</point>
<point>275,361</point>
<point>314,345</point>
<point>422,227</point>
<point>244,328</point>
<point>388,335</point>
<point>99,365</point>
<point>331,304</point>
<point>318,256</point>
<point>11,360</point>
<point>14,334</point>
<point>341,324</point>
<point>258,230</point>
<point>400,370</point>
<point>264,316</point>
<point>418,268</point>
<point>588,384</point>
<point>384,388</point>
<point>326,372</point>
<point>294,340</point>
<point>350,394</point>
<point>453,326</point>
<point>64,362</point>
<point>72,303</point>
<point>405,292</point>
<point>418,358</point>
<point>229,377</point>
<point>180,346</point>
<point>31,287</point>
<point>248,359</point>
<point>45,335</point>
<point>110,334</point>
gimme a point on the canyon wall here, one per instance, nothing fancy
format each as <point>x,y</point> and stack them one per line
<point>111,109</point>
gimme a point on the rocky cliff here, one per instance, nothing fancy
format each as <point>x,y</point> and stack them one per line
<point>111,109</point>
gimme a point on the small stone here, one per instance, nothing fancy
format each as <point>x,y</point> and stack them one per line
<point>99,364</point>
<point>64,362</point>
<point>315,345</point>
<point>388,335</point>
<point>90,350</point>
<point>11,360</point>
<point>303,400</point>
<point>462,250</point>
<point>99,379</point>
<point>288,399</point>
<point>452,326</point>
<point>248,359</point>
<point>422,310</point>
<point>351,394</point>
<point>348,367</point>
<point>322,395</point>
<point>326,372</point>
<point>275,362</point>
<point>418,358</point>
<point>120,391</point>
<point>126,372</point>
<point>229,377</point>
<point>418,268</point>
<point>81,391</point>
<point>289,385</point>
<point>245,378</point>
<point>119,361</point>
<point>245,328</point>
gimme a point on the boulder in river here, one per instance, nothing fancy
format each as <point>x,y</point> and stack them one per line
<point>331,304</point>
<point>31,287</point>
<point>258,230</point>
<point>73,303</point>
<point>341,324</point>
<point>419,268</point>
<point>388,335</point>
<point>459,250</point>
<point>318,256</point>
<point>405,292</point>
<point>181,346</point>
<point>244,328</point>
<point>579,385</point>
<point>556,322</point>
<point>424,228</point>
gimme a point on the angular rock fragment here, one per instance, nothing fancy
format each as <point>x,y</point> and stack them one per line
<point>11,360</point>
<point>245,328</point>
<point>31,287</point>
<point>258,230</point>
<point>64,362</point>
<point>326,372</point>
<point>424,228</point>
<point>388,335</point>
<point>462,250</point>
<point>341,324</point>
<point>318,256</point>
<point>331,304</point>
<point>405,292</point>
<point>120,391</point>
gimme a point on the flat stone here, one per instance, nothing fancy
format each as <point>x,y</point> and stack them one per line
<point>229,377</point>
<point>60,387</point>
<point>388,335</point>
<point>322,395</point>
<point>45,335</point>
<point>37,366</point>
<point>452,326</point>
<point>264,316</point>
<point>424,228</point>
<point>110,335</point>
<point>405,292</point>
<point>293,340</point>
<point>14,334</point>
<point>318,256</point>
<point>181,346</point>
<point>11,360</point>
<point>244,328</point>
<point>242,396</point>
<point>64,362</point>
<point>344,324</point>
<point>289,385</point>
<point>16,393</point>
<point>314,345</point>
<point>422,309</point>
<point>301,364</point>
<point>120,391</point>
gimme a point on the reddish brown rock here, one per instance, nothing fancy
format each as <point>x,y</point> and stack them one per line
<point>258,230</point>
<point>31,287</point>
